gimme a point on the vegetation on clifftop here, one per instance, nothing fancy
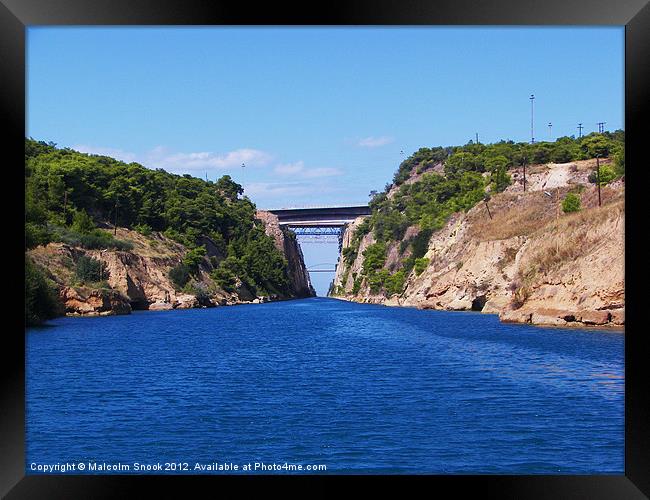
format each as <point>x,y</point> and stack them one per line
<point>70,196</point>
<point>433,183</point>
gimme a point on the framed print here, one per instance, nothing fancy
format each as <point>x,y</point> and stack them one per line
<point>382,243</point>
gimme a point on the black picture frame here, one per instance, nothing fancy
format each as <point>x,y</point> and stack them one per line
<point>16,15</point>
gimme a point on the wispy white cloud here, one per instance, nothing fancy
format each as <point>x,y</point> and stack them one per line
<point>298,169</point>
<point>162,157</point>
<point>118,154</point>
<point>375,142</point>
<point>275,189</point>
<point>290,168</point>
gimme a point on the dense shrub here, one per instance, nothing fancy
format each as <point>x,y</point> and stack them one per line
<point>606,173</point>
<point>349,254</point>
<point>143,229</point>
<point>356,285</point>
<point>180,275</point>
<point>420,265</point>
<point>374,257</point>
<point>41,302</point>
<point>376,280</point>
<point>89,270</point>
<point>36,235</point>
<point>619,162</point>
<point>200,291</point>
<point>225,275</point>
<point>193,258</point>
<point>96,239</point>
<point>571,203</point>
<point>82,223</point>
<point>394,284</point>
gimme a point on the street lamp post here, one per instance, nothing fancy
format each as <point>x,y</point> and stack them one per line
<point>243,166</point>
<point>532,114</point>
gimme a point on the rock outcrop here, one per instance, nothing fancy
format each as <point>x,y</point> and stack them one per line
<point>139,278</point>
<point>286,242</point>
<point>526,261</point>
<point>84,301</point>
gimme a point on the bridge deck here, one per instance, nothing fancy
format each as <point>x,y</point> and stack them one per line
<point>320,217</point>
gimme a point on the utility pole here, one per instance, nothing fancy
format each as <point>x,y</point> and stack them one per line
<point>476,137</point>
<point>532,114</point>
<point>101,265</point>
<point>115,225</point>
<point>550,132</point>
<point>486,198</point>
<point>65,205</point>
<point>598,177</point>
<point>601,127</point>
<point>580,127</point>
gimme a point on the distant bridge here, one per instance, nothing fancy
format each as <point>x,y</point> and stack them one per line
<point>332,268</point>
<point>321,224</point>
<point>319,221</point>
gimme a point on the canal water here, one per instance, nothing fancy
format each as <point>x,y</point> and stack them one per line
<point>356,388</point>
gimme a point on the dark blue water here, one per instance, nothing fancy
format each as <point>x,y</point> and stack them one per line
<point>357,388</point>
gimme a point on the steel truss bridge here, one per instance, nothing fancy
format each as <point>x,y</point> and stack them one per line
<point>316,230</point>
<point>320,224</point>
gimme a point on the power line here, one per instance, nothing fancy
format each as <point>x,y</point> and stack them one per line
<point>580,127</point>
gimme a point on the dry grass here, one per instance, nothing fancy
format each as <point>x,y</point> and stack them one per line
<point>153,245</point>
<point>524,214</point>
<point>57,262</point>
<point>561,242</point>
<point>513,215</point>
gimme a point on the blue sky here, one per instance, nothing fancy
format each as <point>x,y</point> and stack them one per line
<point>318,115</point>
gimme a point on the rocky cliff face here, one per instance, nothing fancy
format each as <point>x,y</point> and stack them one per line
<point>526,260</point>
<point>286,242</point>
<point>139,278</point>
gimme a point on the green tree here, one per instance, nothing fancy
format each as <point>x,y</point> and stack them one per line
<point>90,270</point>
<point>41,301</point>
<point>228,188</point>
<point>394,283</point>
<point>374,257</point>
<point>571,203</point>
<point>82,223</point>
<point>180,275</point>
<point>193,258</point>
<point>596,146</point>
<point>619,161</point>
<point>499,177</point>
<point>420,265</point>
<point>606,174</point>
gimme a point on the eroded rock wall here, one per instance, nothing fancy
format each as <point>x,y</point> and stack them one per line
<point>139,278</point>
<point>529,262</point>
<point>286,242</point>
